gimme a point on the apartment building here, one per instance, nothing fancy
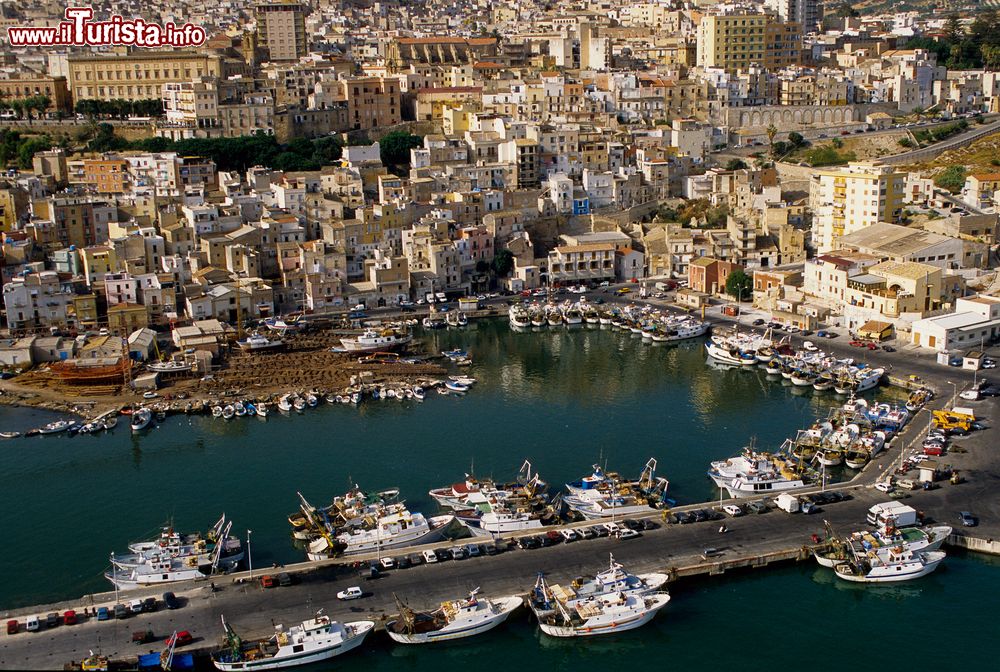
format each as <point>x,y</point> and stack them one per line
<point>281,29</point>
<point>848,199</point>
<point>24,85</point>
<point>372,102</point>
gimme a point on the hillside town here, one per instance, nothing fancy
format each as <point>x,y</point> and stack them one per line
<point>330,157</point>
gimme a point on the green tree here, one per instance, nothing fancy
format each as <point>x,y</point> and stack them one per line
<point>796,140</point>
<point>503,262</point>
<point>771,131</point>
<point>396,146</point>
<point>736,164</point>
<point>739,285</point>
<point>951,178</point>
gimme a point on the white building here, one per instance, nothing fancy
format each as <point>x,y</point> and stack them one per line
<point>976,318</point>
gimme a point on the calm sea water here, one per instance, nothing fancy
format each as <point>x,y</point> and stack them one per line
<point>563,399</point>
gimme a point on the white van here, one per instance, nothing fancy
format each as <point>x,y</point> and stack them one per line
<point>32,624</point>
<point>429,557</point>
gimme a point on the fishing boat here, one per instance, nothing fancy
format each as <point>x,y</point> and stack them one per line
<point>283,326</point>
<point>9,435</point>
<point>392,526</point>
<point>256,342</point>
<point>455,386</point>
<point>377,341</point>
<point>830,457</point>
<point>261,410</point>
<point>889,565</point>
<point>573,315</point>
<point>823,382</point>
<point>802,378</point>
<point>456,318</point>
<point>612,601</point>
<point>171,543</point>
<point>459,495</point>
<point>756,473</point>
<point>723,353</point>
<point>455,619</point>
<point>228,411</point>
<point>217,411</point>
<point>604,615</point>
<point>433,321</point>
<point>299,404</point>
<point>312,641</point>
<point>240,409</point>
<point>56,427</point>
<point>110,423</point>
<point>141,419</point>
<point>554,318</point>
<point>172,366</point>
<point>538,318</point>
<point>493,519</point>
<point>917,399</point>
<point>519,317</point>
<point>418,393</point>
<point>311,400</point>
<point>916,539</point>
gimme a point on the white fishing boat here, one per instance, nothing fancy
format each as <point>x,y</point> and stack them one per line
<point>830,457</point>
<point>455,619</point>
<point>141,419</point>
<point>217,411</point>
<point>519,316</point>
<point>228,411</point>
<point>299,404</point>
<point>172,366</point>
<point>261,410</point>
<point>284,405</point>
<point>723,353</point>
<point>377,341</point>
<point>755,473</point>
<point>615,580</point>
<point>604,615</point>
<point>394,527</point>
<point>915,539</point>
<point>173,544</point>
<point>889,565</point>
<point>56,427</point>
<point>455,386</point>
<point>312,641</point>
<point>240,408</point>
<point>260,343</point>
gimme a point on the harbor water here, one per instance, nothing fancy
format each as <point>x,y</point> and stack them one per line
<point>564,399</point>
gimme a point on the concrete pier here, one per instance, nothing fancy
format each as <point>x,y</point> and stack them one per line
<point>751,542</point>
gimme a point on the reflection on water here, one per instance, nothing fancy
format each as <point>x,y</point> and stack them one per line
<point>561,398</point>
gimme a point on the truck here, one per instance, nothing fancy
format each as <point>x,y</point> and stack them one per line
<point>787,502</point>
<point>897,513</point>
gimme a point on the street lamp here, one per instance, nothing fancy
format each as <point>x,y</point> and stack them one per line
<point>249,556</point>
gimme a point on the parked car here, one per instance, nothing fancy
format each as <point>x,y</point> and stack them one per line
<point>967,519</point>
<point>286,579</point>
<point>121,611</point>
<point>103,614</point>
<point>182,638</point>
<point>429,557</point>
<point>13,626</point>
<point>52,620</point>
<point>149,605</point>
<point>69,617</point>
<point>143,636</point>
<point>628,534</point>
<point>756,507</point>
<point>352,593</point>
<point>758,322</point>
<point>170,601</point>
<point>404,562</point>
<point>733,510</point>
<point>135,606</point>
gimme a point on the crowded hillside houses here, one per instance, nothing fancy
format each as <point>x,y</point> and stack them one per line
<point>500,147</point>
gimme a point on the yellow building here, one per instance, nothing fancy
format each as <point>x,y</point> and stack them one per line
<point>124,318</point>
<point>856,196</point>
<point>84,309</point>
<point>735,41</point>
<point>12,202</point>
<point>138,75</point>
<point>97,261</point>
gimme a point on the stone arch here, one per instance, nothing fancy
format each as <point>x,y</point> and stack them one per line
<point>755,119</point>
<point>828,115</point>
<point>744,119</point>
<point>807,116</point>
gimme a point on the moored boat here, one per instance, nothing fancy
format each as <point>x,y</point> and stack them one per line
<point>455,619</point>
<point>312,641</point>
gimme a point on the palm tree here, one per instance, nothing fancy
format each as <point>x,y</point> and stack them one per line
<point>771,131</point>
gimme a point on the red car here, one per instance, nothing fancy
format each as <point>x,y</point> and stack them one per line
<point>69,617</point>
<point>872,346</point>
<point>13,627</point>
<point>183,638</point>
